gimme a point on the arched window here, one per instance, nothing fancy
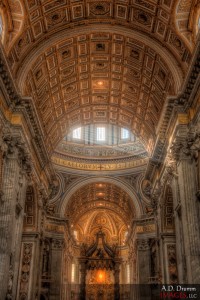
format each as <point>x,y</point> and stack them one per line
<point>1,25</point>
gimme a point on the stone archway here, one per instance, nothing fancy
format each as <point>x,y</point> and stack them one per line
<point>119,183</point>
<point>99,215</point>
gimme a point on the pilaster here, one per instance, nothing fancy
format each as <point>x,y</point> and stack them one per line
<point>57,247</point>
<point>14,166</point>
<point>184,150</point>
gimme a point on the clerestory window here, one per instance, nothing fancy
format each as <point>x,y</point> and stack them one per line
<point>77,133</point>
<point>125,133</point>
<point>101,134</point>
<point>1,25</point>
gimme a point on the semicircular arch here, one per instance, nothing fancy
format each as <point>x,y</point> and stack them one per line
<point>139,210</point>
<point>186,18</point>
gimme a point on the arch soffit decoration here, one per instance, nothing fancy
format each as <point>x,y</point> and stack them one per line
<point>186,16</point>
<point>139,210</point>
<point>13,16</point>
<point>119,111</point>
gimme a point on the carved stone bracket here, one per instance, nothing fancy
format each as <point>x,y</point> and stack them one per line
<point>50,209</point>
<point>143,244</point>
<point>58,244</point>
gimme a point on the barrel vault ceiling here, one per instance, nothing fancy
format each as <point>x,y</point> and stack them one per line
<point>84,62</point>
<point>102,205</point>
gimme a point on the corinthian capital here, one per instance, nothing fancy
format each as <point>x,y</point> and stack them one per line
<point>13,146</point>
<point>186,147</point>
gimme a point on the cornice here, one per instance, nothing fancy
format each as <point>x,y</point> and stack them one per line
<point>19,105</point>
<point>191,82</point>
<point>181,104</point>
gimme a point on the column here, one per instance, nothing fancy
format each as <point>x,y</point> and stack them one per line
<point>180,249</point>
<point>143,261</point>
<point>82,263</point>
<point>56,268</point>
<point>170,177</point>
<point>27,274</point>
<point>11,170</point>
<point>116,274</point>
<point>143,268</point>
<point>184,150</point>
<point>187,185</point>
<point>18,228</point>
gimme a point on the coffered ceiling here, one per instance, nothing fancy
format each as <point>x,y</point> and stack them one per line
<point>84,62</point>
<point>100,205</point>
<point>98,196</point>
<point>99,78</point>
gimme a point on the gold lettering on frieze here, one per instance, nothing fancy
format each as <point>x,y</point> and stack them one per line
<point>98,167</point>
<point>54,228</point>
<point>145,228</point>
